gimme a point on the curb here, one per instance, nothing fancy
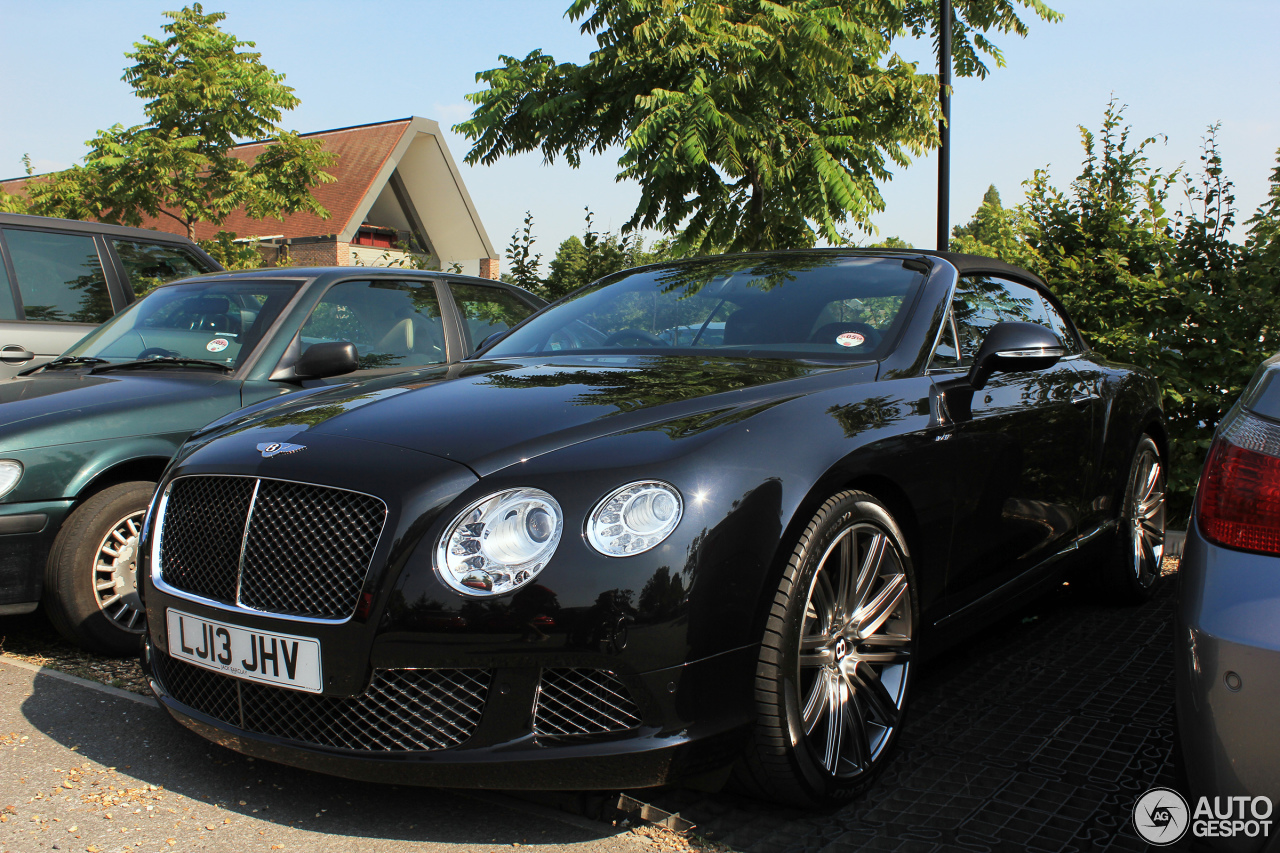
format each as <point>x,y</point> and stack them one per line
<point>9,660</point>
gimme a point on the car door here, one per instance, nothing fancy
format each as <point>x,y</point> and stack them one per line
<point>1023,445</point>
<point>60,291</point>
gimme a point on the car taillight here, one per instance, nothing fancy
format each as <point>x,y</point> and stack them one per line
<point>1238,503</point>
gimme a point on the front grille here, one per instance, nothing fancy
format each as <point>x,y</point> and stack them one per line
<point>403,710</point>
<point>583,702</point>
<point>269,545</point>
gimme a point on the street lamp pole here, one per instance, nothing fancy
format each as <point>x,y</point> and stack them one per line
<point>944,124</point>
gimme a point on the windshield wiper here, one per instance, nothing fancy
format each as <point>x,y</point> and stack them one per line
<point>63,361</point>
<point>162,361</point>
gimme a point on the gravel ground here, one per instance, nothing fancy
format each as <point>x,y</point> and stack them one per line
<point>32,639</point>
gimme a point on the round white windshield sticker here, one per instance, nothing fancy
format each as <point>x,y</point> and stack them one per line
<point>219,344</point>
<point>850,339</point>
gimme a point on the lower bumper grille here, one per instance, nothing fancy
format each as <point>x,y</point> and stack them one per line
<point>403,710</point>
<point>583,702</point>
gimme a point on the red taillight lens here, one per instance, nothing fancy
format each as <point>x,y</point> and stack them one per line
<point>1238,503</point>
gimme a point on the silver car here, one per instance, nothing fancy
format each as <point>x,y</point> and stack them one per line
<point>60,278</point>
<point>1227,645</point>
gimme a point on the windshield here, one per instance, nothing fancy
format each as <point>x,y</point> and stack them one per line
<point>217,321</point>
<point>800,306</point>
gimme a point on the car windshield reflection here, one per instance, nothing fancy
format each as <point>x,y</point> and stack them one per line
<point>791,306</point>
<point>217,321</point>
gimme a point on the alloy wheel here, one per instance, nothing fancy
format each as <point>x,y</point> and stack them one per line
<point>1146,516</point>
<point>855,647</point>
<point>115,574</point>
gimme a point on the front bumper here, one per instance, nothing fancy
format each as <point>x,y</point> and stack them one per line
<point>692,719</point>
<point>1227,674</point>
<point>27,531</point>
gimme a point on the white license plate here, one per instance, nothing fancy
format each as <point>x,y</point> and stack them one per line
<point>281,659</point>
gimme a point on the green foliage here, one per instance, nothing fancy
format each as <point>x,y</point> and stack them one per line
<point>10,203</point>
<point>994,232</point>
<point>203,94</point>
<point>233,255</point>
<point>524,264</point>
<point>1170,293</point>
<point>749,124</point>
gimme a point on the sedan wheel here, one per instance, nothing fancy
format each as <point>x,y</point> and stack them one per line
<point>90,590</point>
<point>116,573</point>
<point>831,685</point>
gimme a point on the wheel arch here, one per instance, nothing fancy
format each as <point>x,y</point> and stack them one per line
<point>147,467</point>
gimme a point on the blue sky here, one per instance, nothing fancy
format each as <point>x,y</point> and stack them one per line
<point>1178,65</point>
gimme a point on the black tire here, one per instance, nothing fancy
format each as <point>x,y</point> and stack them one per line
<point>92,602</point>
<point>799,752</point>
<point>1131,568</point>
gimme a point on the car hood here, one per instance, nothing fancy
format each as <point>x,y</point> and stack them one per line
<point>61,407</point>
<point>490,414</point>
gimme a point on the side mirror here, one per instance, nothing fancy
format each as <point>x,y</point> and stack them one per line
<point>1014,347</point>
<point>328,359</point>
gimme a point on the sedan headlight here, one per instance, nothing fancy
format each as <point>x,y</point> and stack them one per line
<point>500,542</point>
<point>10,474</point>
<point>634,518</point>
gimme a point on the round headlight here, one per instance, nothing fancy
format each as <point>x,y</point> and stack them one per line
<point>634,518</point>
<point>10,474</point>
<point>500,543</point>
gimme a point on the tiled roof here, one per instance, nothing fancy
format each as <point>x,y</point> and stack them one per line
<point>361,151</point>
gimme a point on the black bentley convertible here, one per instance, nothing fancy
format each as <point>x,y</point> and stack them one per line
<point>695,518</point>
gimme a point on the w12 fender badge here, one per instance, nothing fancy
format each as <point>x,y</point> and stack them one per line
<point>276,448</point>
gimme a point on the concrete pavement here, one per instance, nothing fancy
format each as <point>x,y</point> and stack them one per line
<point>85,768</point>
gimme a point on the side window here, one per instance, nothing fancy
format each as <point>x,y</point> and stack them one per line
<point>946,354</point>
<point>392,323</point>
<point>1058,322</point>
<point>982,301</point>
<point>59,276</point>
<point>8,310</point>
<point>149,265</point>
<point>486,310</point>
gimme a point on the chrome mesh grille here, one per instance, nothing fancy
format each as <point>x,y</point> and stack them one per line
<point>583,702</point>
<point>270,545</point>
<point>203,526</point>
<point>308,549</point>
<point>403,710</point>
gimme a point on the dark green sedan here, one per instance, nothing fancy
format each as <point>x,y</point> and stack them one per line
<point>84,439</point>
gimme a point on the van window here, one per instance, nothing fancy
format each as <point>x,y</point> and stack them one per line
<point>59,276</point>
<point>8,311</point>
<point>149,265</point>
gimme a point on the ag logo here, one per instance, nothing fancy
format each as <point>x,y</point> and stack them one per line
<point>1160,816</point>
<point>276,448</point>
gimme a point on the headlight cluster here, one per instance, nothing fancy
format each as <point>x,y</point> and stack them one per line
<point>10,474</point>
<point>634,519</point>
<point>501,542</point>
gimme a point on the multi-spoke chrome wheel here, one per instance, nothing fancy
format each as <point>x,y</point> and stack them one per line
<point>1144,514</point>
<point>832,679</point>
<point>855,649</point>
<point>115,574</point>
<point>1129,574</point>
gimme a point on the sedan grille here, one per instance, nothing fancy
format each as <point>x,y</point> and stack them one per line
<point>269,545</point>
<point>403,710</point>
<point>583,702</point>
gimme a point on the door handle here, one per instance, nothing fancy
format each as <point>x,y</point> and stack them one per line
<point>15,354</point>
<point>1083,399</point>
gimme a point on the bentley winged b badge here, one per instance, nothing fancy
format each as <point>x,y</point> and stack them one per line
<point>276,448</point>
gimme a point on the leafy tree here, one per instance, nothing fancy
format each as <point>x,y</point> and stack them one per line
<point>10,203</point>
<point>749,124</point>
<point>203,94</point>
<point>994,232</point>
<point>581,261</point>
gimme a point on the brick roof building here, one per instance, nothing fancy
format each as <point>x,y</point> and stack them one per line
<point>396,184</point>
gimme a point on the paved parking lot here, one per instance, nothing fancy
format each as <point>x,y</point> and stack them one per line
<point>1039,734</point>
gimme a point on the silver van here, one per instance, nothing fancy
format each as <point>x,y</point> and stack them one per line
<point>60,278</point>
